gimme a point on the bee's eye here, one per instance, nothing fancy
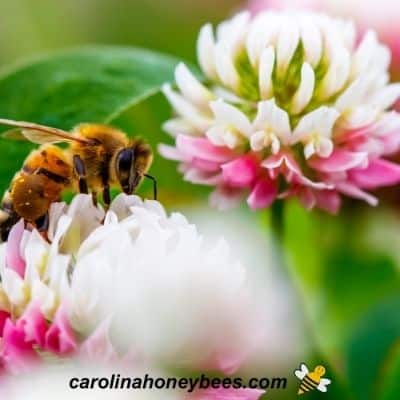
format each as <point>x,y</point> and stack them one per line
<point>124,160</point>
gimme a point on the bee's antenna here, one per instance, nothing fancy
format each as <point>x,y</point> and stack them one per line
<point>154,185</point>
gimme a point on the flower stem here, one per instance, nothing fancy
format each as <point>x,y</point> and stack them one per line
<point>278,232</point>
<point>277,223</point>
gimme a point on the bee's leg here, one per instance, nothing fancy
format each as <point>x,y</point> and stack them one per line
<point>94,198</point>
<point>42,224</point>
<point>80,170</point>
<point>154,184</point>
<point>106,196</point>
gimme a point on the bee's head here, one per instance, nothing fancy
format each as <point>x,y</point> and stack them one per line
<point>125,169</point>
<point>320,370</point>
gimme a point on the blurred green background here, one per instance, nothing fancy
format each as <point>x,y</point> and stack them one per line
<point>345,269</point>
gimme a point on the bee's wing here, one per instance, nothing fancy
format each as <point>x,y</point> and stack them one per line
<point>302,372</point>
<point>36,133</point>
<point>322,387</point>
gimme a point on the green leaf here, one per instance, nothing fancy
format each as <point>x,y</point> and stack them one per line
<point>372,364</point>
<point>339,275</point>
<point>390,387</point>
<point>92,84</point>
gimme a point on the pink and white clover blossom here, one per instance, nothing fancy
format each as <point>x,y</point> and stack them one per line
<point>133,279</point>
<point>292,106</point>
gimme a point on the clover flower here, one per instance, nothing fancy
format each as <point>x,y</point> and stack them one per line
<point>132,284</point>
<point>292,106</point>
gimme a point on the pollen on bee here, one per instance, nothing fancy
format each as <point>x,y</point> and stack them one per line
<point>30,191</point>
<point>27,203</point>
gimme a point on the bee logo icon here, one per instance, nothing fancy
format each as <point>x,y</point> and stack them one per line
<point>311,380</point>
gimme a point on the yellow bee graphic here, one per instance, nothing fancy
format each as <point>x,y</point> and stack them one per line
<point>311,380</point>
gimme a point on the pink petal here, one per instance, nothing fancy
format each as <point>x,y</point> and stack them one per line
<point>13,249</point>
<point>351,190</point>
<point>206,166</point>
<point>378,173</point>
<point>227,394</point>
<point>194,175</point>
<point>60,338</point>
<point>307,198</point>
<point>328,200</point>
<point>197,147</point>
<point>340,160</point>
<point>263,194</point>
<point>273,164</point>
<point>4,316</point>
<point>34,324</point>
<point>391,143</point>
<point>285,164</point>
<point>240,172</point>
<point>295,175</point>
<point>98,347</point>
<point>17,353</point>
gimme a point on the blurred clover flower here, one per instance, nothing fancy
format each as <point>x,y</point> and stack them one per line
<point>293,106</point>
<point>139,285</point>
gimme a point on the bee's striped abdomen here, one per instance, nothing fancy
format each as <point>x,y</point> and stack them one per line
<point>46,172</point>
<point>307,384</point>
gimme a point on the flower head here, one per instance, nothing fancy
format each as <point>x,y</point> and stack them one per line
<point>134,281</point>
<point>292,106</point>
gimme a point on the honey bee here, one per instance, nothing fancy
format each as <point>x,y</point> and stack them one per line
<point>97,158</point>
<point>311,380</point>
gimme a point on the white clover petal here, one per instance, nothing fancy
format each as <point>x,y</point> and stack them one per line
<point>309,149</point>
<point>267,63</point>
<point>311,40</point>
<point>216,135</point>
<point>386,97</point>
<point>319,121</point>
<point>271,117</point>
<point>231,139</point>
<point>206,51</point>
<point>349,33</point>
<point>14,287</point>
<point>263,32</point>
<point>229,115</point>
<point>186,109</point>
<point>225,66</point>
<point>257,141</point>
<point>324,147</point>
<point>179,126</point>
<point>36,254</point>
<point>354,94</point>
<point>316,128</point>
<point>305,91</point>
<point>191,88</point>
<point>337,74</point>
<point>233,32</point>
<point>370,53</point>
<point>289,37</point>
<point>45,297</point>
<point>55,212</point>
<point>359,116</point>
